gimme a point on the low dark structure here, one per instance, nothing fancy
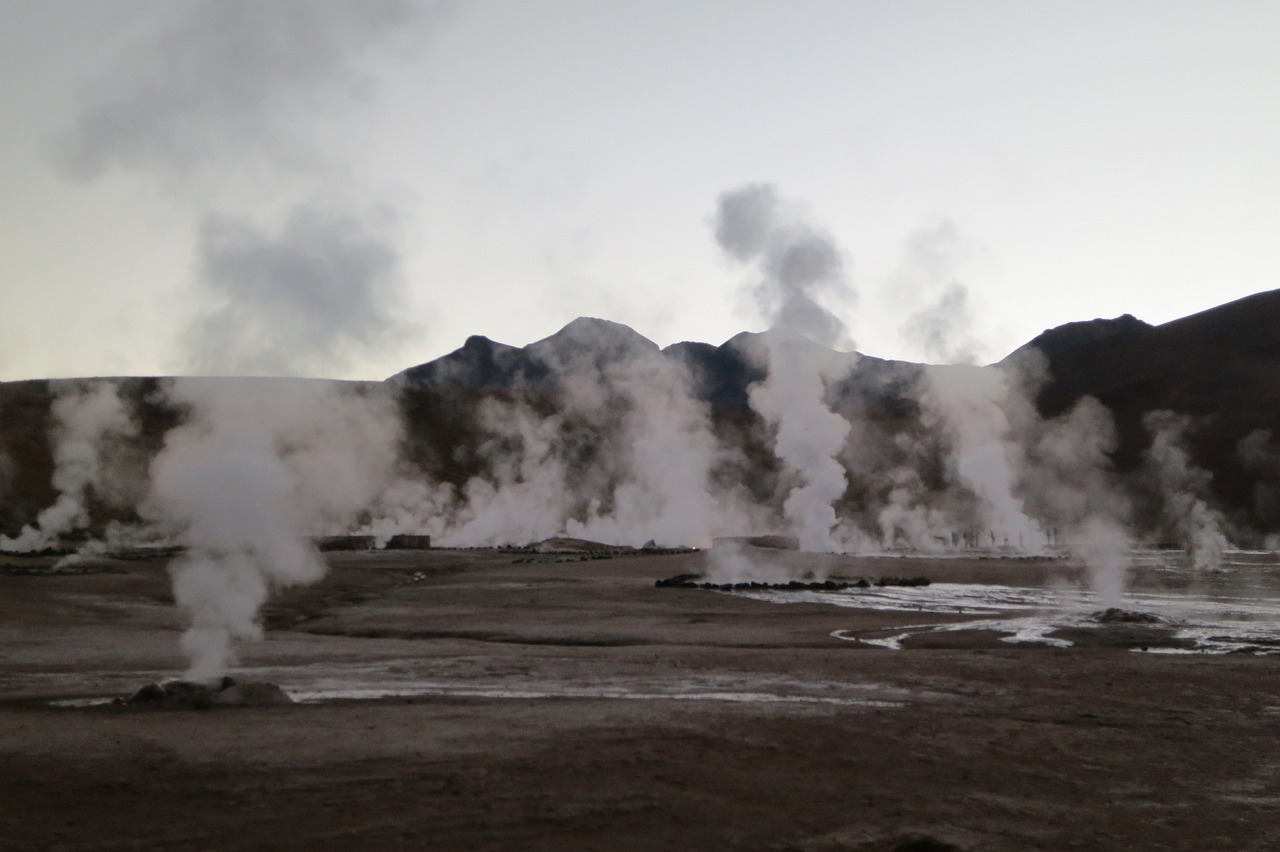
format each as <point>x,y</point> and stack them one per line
<point>346,542</point>
<point>409,542</point>
<point>769,542</point>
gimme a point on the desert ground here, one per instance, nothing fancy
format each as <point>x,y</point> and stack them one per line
<point>476,700</point>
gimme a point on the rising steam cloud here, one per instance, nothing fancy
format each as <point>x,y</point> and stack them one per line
<point>601,435</point>
<point>972,406</point>
<point>797,264</point>
<point>89,422</point>
<point>227,86</point>
<point>1197,526</point>
<point>305,298</point>
<point>625,455</point>
<point>296,264</point>
<point>942,330</point>
<point>256,472</point>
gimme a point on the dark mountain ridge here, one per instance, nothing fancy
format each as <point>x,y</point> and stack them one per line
<point>1221,367</point>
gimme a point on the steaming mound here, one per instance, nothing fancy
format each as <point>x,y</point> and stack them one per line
<point>1115,615</point>
<point>192,695</point>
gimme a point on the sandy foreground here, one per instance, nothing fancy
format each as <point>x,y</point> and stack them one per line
<point>455,700</point>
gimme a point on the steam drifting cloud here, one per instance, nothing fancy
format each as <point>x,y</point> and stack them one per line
<point>1197,525</point>
<point>229,96</point>
<point>257,471</point>
<point>972,406</point>
<point>88,420</point>
<point>322,288</point>
<point>797,264</point>
<point>231,83</point>
<point>625,457</point>
<point>942,329</point>
<point>989,471</point>
<point>1262,458</point>
<point>1070,482</point>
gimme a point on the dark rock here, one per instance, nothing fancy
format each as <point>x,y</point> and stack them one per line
<point>1115,615</point>
<point>679,581</point>
<point>152,693</point>
<point>905,582</point>
<point>196,695</point>
<point>252,694</point>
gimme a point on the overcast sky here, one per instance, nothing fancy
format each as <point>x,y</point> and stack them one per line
<point>347,189</point>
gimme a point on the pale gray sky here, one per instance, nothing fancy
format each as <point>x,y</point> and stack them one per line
<point>346,189</point>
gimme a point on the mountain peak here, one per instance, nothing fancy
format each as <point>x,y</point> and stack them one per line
<point>588,339</point>
<point>1073,335</point>
<point>595,332</point>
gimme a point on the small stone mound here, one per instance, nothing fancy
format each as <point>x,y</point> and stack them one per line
<point>196,695</point>
<point>1116,615</point>
<point>694,581</point>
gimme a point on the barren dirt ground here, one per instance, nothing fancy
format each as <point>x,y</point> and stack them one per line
<point>574,706</point>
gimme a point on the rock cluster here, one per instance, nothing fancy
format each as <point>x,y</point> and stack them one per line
<point>196,695</point>
<point>1115,615</point>
<point>694,581</point>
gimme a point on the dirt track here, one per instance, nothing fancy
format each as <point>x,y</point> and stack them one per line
<point>574,706</point>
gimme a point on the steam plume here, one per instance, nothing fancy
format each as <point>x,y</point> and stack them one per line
<point>1071,483</point>
<point>971,404</point>
<point>309,297</point>
<point>258,470</point>
<point>943,328</point>
<point>88,419</point>
<point>624,457</point>
<point>1181,484</point>
<point>223,104</point>
<point>1262,458</point>
<point>797,264</point>
<point>229,85</point>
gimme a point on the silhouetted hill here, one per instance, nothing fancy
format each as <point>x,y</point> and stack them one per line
<point>480,363</point>
<point>719,375</point>
<point>1220,366</point>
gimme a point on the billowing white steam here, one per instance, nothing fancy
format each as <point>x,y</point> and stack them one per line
<point>88,420</point>
<point>797,264</point>
<point>1012,479</point>
<point>257,470</point>
<point>224,105</point>
<point>1070,482</point>
<point>525,496</point>
<point>1181,483</point>
<point>972,406</point>
<point>667,451</point>
<point>625,457</point>
<point>809,436</point>
<point>942,328</point>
